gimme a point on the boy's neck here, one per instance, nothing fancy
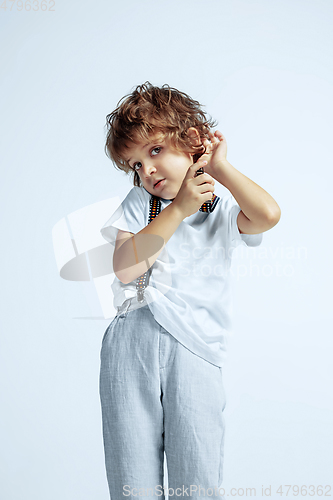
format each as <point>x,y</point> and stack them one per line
<point>165,199</point>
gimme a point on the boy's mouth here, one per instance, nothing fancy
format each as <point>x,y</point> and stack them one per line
<point>158,183</point>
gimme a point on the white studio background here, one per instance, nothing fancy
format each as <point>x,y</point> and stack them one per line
<point>263,69</point>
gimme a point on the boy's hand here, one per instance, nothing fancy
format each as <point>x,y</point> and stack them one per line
<point>195,190</point>
<point>216,151</point>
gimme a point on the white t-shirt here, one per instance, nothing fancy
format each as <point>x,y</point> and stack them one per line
<point>189,291</point>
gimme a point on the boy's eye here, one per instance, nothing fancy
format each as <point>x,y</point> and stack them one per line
<point>139,163</point>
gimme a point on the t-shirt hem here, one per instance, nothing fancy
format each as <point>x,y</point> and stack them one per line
<point>192,345</point>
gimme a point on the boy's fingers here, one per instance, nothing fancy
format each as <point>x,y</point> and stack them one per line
<point>202,161</point>
<point>196,166</point>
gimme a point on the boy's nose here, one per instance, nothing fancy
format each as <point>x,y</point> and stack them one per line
<point>149,169</point>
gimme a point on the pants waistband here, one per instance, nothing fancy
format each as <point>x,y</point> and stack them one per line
<point>130,305</point>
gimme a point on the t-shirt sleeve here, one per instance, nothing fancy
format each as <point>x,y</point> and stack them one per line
<point>129,216</point>
<point>230,210</point>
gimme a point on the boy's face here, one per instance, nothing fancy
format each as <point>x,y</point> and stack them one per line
<point>159,160</point>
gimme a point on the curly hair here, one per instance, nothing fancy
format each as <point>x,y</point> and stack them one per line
<point>148,110</point>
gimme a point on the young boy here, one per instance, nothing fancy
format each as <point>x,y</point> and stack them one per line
<point>161,383</point>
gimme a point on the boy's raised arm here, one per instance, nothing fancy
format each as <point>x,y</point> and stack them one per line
<point>138,253</point>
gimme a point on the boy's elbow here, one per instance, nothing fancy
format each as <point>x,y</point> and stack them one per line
<point>274,216</point>
<point>121,274</point>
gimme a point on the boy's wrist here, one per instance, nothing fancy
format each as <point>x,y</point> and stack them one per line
<point>176,211</point>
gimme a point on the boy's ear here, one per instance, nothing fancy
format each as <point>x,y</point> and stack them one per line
<point>194,135</point>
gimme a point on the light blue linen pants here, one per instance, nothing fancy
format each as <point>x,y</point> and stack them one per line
<point>156,395</point>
